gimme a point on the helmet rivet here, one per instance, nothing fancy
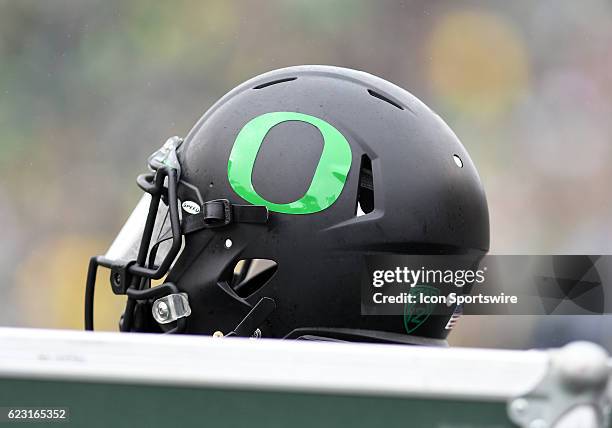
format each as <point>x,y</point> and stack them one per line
<point>228,243</point>
<point>163,310</point>
<point>218,334</point>
<point>458,161</point>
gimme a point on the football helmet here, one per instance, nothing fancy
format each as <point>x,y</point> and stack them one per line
<point>259,221</point>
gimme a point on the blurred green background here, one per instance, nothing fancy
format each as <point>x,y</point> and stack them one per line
<point>88,89</point>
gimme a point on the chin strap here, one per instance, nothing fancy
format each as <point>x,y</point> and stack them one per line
<point>220,212</point>
<point>254,319</point>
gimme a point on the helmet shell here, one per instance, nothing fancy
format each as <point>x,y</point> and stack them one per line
<point>423,201</point>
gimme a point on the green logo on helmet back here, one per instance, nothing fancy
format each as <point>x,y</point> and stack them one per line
<point>328,179</point>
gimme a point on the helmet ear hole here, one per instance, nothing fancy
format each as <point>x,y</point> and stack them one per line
<point>365,192</point>
<point>247,276</point>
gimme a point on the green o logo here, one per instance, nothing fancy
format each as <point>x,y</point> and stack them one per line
<point>327,181</point>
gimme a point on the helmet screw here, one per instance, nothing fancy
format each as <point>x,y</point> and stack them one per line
<point>162,310</point>
<point>218,334</point>
<point>117,278</point>
<point>228,243</point>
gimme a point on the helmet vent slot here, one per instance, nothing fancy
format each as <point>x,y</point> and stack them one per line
<point>385,99</point>
<point>247,276</point>
<point>274,82</point>
<point>365,192</point>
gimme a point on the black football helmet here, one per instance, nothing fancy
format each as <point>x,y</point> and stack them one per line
<point>260,219</point>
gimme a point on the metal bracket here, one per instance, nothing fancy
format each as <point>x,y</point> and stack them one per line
<point>575,392</point>
<point>170,308</point>
<point>120,277</point>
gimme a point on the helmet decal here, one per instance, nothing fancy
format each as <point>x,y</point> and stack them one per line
<point>328,179</point>
<point>416,314</point>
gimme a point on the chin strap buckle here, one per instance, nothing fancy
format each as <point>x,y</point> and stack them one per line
<point>220,212</point>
